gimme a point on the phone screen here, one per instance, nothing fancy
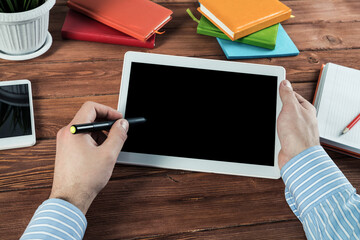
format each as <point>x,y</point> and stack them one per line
<point>15,118</point>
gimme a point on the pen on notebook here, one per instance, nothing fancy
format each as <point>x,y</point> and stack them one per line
<point>353,122</point>
<point>98,126</point>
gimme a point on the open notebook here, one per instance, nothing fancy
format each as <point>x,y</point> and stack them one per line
<point>337,100</point>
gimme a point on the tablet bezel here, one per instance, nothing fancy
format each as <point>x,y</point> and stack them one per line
<point>194,164</point>
<point>26,140</point>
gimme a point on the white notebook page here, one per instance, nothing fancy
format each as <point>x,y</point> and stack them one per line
<point>339,105</point>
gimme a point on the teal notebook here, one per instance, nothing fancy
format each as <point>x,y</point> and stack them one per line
<point>265,38</point>
<point>284,47</point>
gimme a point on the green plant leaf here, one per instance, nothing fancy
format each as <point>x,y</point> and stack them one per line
<point>28,2</point>
<point>24,4</point>
<point>11,7</point>
<point>19,5</point>
<point>34,4</point>
<point>2,6</point>
<point>15,3</point>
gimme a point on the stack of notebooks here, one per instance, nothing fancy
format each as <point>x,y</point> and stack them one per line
<point>247,29</point>
<point>123,22</point>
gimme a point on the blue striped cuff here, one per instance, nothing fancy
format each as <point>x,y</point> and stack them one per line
<point>56,219</point>
<point>311,177</point>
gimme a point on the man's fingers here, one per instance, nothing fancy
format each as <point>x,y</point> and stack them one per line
<point>90,111</point>
<point>306,104</point>
<point>116,138</point>
<point>99,137</point>
<point>289,97</point>
<point>286,93</point>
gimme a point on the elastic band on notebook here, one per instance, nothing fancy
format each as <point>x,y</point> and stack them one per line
<point>192,16</point>
<point>157,32</point>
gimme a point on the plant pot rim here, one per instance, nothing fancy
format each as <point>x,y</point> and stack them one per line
<point>27,15</point>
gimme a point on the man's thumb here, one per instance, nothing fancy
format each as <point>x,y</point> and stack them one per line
<point>117,136</point>
<point>286,92</point>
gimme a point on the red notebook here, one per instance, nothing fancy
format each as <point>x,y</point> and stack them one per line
<point>137,18</point>
<point>80,27</point>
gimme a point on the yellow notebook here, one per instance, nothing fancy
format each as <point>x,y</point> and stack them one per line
<point>239,18</point>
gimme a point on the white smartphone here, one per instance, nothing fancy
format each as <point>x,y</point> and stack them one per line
<point>17,125</point>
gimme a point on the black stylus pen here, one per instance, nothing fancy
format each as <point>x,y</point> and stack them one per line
<point>98,126</point>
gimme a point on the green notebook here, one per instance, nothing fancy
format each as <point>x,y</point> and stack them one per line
<point>265,38</point>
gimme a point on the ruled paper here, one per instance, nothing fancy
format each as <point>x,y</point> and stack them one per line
<point>339,105</point>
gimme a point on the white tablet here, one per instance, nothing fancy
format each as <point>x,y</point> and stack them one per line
<point>17,128</point>
<point>202,115</point>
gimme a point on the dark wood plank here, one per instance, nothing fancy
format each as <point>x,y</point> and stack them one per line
<point>169,202</point>
<point>308,11</point>
<point>29,168</point>
<point>53,114</point>
<point>193,201</point>
<point>186,42</point>
<point>276,230</point>
<point>174,202</point>
<point>95,78</point>
<point>81,77</point>
<point>181,37</point>
<point>305,11</point>
<point>165,204</point>
<point>16,210</point>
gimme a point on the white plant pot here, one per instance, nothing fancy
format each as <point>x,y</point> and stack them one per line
<point>25,32</point>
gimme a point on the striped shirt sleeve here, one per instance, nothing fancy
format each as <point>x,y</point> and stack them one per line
<point>321,197</point>
<point>56,219</point>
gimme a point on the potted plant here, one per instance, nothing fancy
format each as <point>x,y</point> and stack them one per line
<point>24,25</point>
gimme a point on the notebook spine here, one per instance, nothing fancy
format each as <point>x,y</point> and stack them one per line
<point>253,42</point>
<point>340,150</point>
<point>256,42</point>
<point>213,22</point>
<point>156,30</point>
<point>258,25</point>
<point>318,83</point>
<point>106,39</point>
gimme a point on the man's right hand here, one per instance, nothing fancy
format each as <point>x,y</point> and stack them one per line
<point>84,162</point>
<point>296,125</point>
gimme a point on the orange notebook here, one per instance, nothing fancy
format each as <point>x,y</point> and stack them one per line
<point>239,18</point>
<point>137,18</point>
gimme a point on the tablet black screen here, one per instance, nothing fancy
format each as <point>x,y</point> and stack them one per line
<point>205,114</point>
<point>15,117</point>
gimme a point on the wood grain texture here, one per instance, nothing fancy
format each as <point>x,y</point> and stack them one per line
<point>103,77</point>
<point>153,203</point>
<point>171,204</point>
<point>185,42</point>
<point>181,39</point>
<point>274,230</point>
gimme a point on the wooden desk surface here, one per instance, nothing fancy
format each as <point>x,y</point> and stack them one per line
<point>152,203</point>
